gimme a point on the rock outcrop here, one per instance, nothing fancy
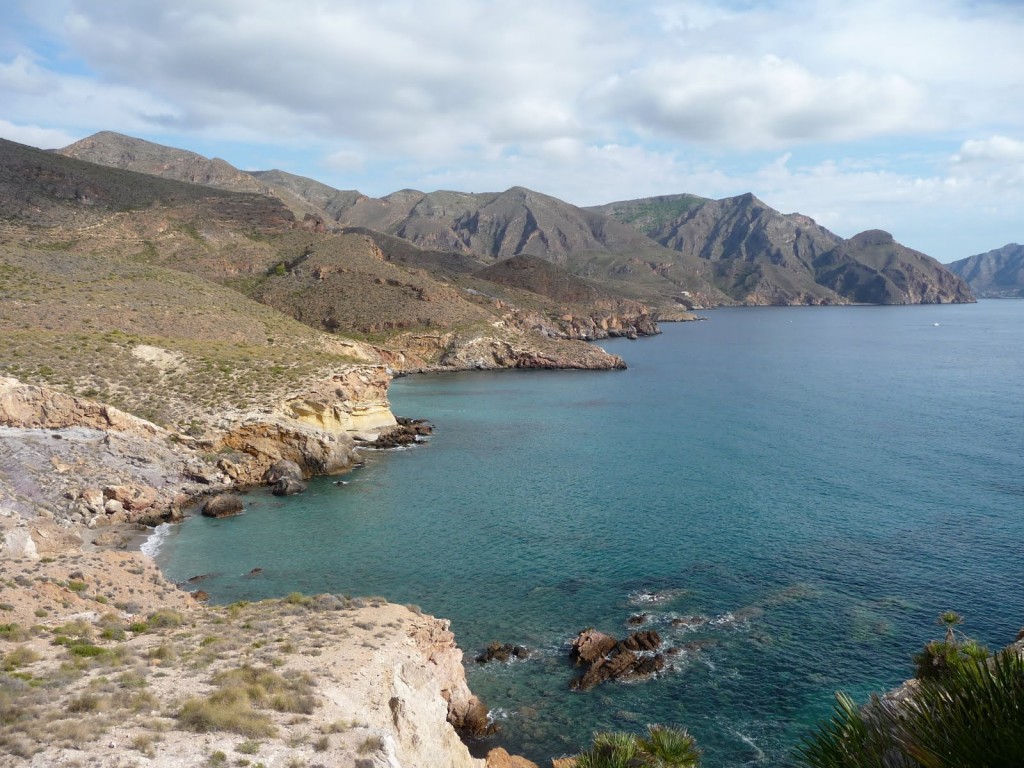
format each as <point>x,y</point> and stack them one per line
<point>636,656</point>
<point>502,652</point>
<point>407,432</point>
<point>315,428</point>
<point>352,401</point>
<point>466,712</point>
<point>27,406</point>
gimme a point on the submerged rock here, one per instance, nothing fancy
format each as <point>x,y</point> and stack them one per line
<point>502,652</point>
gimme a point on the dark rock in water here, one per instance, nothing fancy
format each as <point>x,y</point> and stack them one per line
<point>282,470</point>
<point>254,572</point>
<point>609,659</point>
<point>641,641</point>
<point>416,426</point>
<point>201,577</point>
<point>288,486</point>
<point>200,596</point>
<point>636,619</point>
<point>223,505</point>
<point>590,646</point>
<point>407,432</point>
<point>689,621</point>
<point>502,652</point>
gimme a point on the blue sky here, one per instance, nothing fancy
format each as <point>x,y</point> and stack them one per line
<point>904,115</point>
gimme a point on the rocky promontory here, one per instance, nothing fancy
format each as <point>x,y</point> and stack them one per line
<point>160,676</point>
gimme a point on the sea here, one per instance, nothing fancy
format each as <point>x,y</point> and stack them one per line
<point>788,496</point>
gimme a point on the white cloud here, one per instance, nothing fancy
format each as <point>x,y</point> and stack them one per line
<point>588,101</point>
<point>33,94</point>
<point>454,75</point>
<point>764,102</point>
<point>345,160</point>
<point>35,136</point>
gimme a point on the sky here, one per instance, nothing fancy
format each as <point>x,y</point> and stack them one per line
<point>902,115</point>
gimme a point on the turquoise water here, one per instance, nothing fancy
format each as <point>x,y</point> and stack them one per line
<point>816,483</point>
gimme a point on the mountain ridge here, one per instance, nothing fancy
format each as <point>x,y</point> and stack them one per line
<point>671,251</point>
<point>998,273</point>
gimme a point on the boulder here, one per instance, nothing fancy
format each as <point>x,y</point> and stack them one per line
<point>502,652</point>
<point>606,658</point>
<point>288,486</point>
<point>223,505</point>
<point>641,641</point>
<point>590,646</point>
<point>473,721</point>
<point>500,758</point>
<point>281,470</point>
<point>134,498</point>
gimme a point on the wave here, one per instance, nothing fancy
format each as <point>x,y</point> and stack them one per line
<point>151,546</point>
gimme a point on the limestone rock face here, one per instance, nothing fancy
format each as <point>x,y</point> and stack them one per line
<point>26,406</point>
<point>500,758</point>
<point>488,352</point>
<point>355,400</point>
<point>314,428</point>
<point>266,440</point>
<point>465,710</point>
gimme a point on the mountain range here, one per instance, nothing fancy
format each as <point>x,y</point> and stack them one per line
<point>996,274</point>
<point>251,285</point>
<point>672,252</point>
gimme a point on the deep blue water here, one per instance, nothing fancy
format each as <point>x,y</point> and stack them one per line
<point>818,483</point>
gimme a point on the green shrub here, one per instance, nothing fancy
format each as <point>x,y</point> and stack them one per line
<point>228,709</point>
<point>973,715</point>
<point>19,657</point>
<point>13,632</point>
<point>165,618</point>
<point>248,747</point>
<point>663,747</point>
<point>86,650</point>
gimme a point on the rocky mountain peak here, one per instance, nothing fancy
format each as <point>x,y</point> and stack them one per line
<point>872,237</point>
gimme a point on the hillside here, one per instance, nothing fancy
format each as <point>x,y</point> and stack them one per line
<point>872,268</point>
<point>996,274</point>
<point>773,258</point>
<point>672,252</point>
<point>243,241</point>
<point>116,150</point>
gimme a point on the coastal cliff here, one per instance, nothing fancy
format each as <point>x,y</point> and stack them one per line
<point>349,682</point>
<point>326,680</point>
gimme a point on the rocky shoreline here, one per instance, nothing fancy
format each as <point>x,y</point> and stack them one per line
<point>80,480</point>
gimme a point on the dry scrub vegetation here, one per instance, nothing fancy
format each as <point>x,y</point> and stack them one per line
<point>164,345</point>
<point>257,683</point>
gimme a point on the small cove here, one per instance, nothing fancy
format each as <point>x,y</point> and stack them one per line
<point>813,485</point>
